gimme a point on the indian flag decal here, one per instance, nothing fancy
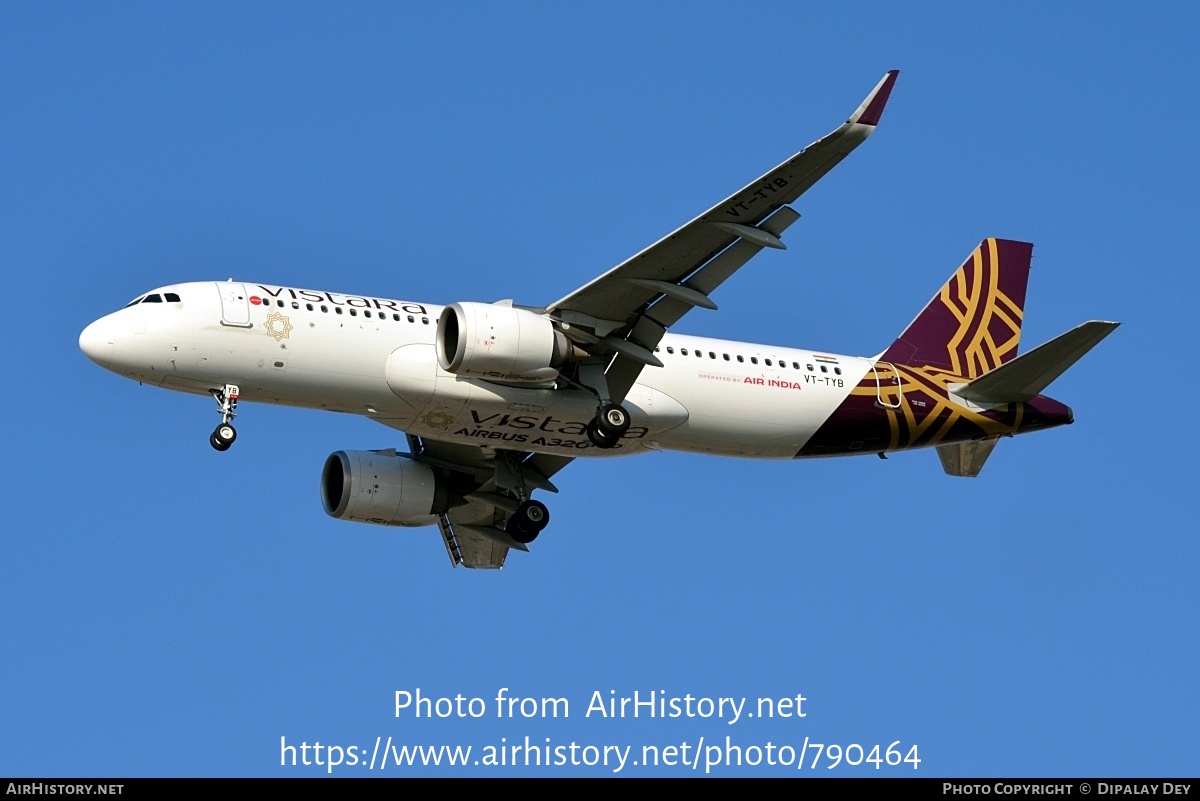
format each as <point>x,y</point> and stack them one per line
<point>825,359</point>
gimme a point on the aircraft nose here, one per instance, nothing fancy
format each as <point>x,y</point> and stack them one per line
<point>97,341</point>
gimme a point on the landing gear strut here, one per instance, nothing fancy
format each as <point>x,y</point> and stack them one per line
<point>529,517</point>
<point>608,426</point>
<point>611,420</point>
<point>225,434</point>
<point>528,521</point>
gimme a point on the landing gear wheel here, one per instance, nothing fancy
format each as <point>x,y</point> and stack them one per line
<point>227,399</point>
<point>223,437</point>
<point>612,421</point>
<point>598,438</point>
<point>528,521</point>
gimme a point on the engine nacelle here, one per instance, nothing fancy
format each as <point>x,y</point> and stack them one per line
<point>383,488</point>
<point>500,342</point>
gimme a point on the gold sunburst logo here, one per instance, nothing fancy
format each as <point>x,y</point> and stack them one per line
<point>437,419</point>
<point>278,326</point>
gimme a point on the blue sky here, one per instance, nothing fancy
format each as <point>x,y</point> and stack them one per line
<point>169,610</point>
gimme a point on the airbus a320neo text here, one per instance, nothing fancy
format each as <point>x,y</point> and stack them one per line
<point>496,398</point>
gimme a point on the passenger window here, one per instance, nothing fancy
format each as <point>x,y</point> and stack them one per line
<point>795,365</point>
<point>396,317</point>
<point>824,369</point>
<point>683,351</point>
<point>337,309</point>
<point>367,313</point>
<point>767,362</point>
<point>411,319</point>
<point>754,360</point>
<point>699,354</point>
<point>153,299</point>
<point>172,297</point>
<point>670,350</point>
<point>324,310</point>
<point>809,366</point>
<point>295,305</point>
<point>740,359</point>
<point>354,312</point>
<point>424,321</point>
<point>837,370</point>
<point>712,355</point>
<point>726,355</point>
<point>308,306</point>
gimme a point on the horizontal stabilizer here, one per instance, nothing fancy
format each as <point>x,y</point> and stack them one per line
<point>965,458</point>
<point>1024,378</point>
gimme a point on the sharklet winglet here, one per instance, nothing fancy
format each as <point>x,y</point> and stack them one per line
<point>872,108</point>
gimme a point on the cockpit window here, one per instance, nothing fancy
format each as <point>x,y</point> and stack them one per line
<point>171,297</point>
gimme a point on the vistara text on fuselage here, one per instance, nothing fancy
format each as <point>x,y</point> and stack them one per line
<point>495,398</point>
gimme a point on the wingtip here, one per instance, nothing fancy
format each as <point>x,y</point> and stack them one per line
<point>872,108</point>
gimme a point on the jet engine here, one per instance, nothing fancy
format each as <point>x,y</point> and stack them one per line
<point>499,342</point>
<point>381,487</point>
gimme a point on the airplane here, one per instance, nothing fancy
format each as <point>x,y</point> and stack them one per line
<point>495,398</point>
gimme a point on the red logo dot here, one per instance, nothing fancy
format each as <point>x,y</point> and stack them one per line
<point>255,299</point>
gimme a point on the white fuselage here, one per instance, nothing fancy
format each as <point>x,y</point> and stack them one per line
<point>376,357</point>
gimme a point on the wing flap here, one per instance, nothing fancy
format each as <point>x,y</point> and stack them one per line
<point>463,530</point>
<point>473,529</point>
<point>650,328</point>
<point>541,467</point>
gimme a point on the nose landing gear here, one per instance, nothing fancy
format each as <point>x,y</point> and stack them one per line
<point>225,434</point>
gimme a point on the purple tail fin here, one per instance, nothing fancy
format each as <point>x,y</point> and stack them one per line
<point>973,324</point>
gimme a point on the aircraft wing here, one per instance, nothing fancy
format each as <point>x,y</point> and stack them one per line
<point>486,479</point>
<point>627,310</point>
<point>624,313</point>
<point>460,529</point>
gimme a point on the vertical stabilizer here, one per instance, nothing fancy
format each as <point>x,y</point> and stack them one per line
<point>973,324</point>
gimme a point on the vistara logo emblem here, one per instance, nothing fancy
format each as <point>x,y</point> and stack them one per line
<point>438,419</point>
<point>278,326</point>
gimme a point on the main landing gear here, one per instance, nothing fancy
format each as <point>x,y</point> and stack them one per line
<point>611,420</point>
<point>528,517</point>
<point>608,426</point>
<point>224,434</point>
<point>528,521</point>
